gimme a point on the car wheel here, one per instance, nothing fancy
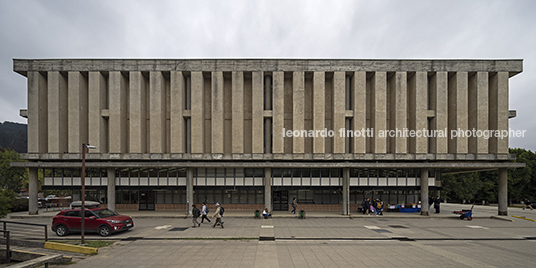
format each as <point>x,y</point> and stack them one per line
<point>105,230</point>
<point>470,218</point>
<point>62,230</point>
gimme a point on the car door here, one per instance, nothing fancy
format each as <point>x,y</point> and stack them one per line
<point>91,221</point>
<point>72,219</point>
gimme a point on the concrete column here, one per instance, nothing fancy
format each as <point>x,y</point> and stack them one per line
<point>177,88</point>
<point>97,97</point>
<point>424,192</point>
<point>339,111</point>
<point>157,119</point>
<point>360,111</point>
<point>380,112</point>
<point>238,112</point>
<point>401,107</point>
<point>268,188</point>
<point>441,114</point>
<point>197,114</point>
<point>37,120</point>
<point>319,114</point>
<point>111,188</point>
<point>189,190</point>
<point>77,111</point>
<point>217,113</point>
<point>257,120</point>
<point>32,191</point>
<point>503,191</point>
<point>278,112</point>
<point>298,99</point>
<point>345,191</point>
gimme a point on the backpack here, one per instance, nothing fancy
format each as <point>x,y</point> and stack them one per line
<point>379,205</point>
<point>206,210</point>
<point>221,211</point>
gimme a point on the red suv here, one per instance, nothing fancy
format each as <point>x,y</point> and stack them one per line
<point>100,220</point>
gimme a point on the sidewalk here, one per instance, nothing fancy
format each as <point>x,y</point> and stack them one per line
<point>446,212</point>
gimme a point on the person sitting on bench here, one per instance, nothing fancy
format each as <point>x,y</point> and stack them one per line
<point>265,213</point>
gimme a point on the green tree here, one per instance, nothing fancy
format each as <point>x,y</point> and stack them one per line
<point>6,197</point>
<point>460,186</point>
<point>11,177</point>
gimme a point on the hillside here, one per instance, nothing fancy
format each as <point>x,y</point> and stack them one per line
<point>14,136</point>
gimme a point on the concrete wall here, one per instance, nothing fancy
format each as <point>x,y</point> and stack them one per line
<point>136,109</point>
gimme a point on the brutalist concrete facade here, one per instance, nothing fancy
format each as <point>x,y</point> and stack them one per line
<point>237,114</point>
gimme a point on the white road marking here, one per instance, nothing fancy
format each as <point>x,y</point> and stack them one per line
<point>162,227</point>
<point>267,226</point>
<point>477,227</point>
<point>372,227</point>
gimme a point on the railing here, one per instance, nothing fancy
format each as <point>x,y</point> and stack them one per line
<point>26,231</point>
<point>8,250</point>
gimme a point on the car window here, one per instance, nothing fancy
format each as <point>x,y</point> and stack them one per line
<point>103,213</point>
<point>88,214</point>
<point>72,213</point>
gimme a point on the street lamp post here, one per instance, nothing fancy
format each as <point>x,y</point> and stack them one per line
<point>83,209</point>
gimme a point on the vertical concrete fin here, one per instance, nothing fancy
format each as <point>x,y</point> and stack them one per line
<point>156,113</point>
<point>135,114</point>
<point>37,121</point>
<point>360,111</point>
<point>400,113</point>
<point>278,112</point>
<point>298,83</point>
<point>97,88</point>
<point>238,112</point>
<point>421,120</point>
<point>441,114</point>
<point>257,113</point>
<point>319,88</point>
<point>197,113</point>
<point>380,112</point>
<point>177,92</point>
<point>217,113</point>
<point>339,111</point>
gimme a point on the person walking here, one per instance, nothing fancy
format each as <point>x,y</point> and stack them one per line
<point>294,205</point>
<point>367,206</point>
<point>204,212</point>
<point>217,216</point>
<point>437,202</point>
<point>527,204</point>
<point>195,215</point>
<point>364,206</point>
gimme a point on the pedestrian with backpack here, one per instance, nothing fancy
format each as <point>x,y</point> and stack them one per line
<point>195,215</point>
<point>204,212</point>
<point>222,210</point>
<point>217,215</point>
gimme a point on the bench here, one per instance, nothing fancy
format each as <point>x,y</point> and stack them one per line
<point>38,261</point>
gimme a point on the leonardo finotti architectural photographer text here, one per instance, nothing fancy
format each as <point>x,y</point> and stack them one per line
<point>407,133</point>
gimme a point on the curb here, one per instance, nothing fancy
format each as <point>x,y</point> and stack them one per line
<point>501,218</point>
<point>71,248</point>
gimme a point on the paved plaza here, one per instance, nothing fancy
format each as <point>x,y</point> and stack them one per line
<point>321,240</point>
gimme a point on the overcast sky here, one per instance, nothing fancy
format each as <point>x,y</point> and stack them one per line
<point>272,29</point>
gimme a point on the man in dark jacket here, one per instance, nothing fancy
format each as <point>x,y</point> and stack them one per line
<point>195,215</point>
<point>437,202</point>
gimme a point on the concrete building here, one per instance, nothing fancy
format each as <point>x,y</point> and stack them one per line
<point>254,133</point>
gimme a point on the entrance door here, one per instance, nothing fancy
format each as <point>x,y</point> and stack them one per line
<point>280,200</point>
<point>146,200</point>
